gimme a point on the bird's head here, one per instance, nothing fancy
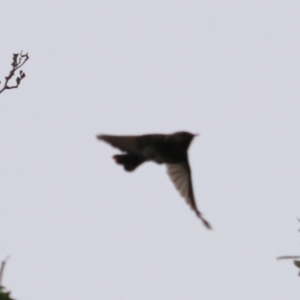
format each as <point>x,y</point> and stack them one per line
<point>185,137</point>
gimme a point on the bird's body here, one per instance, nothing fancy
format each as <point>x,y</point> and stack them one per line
<point>170,149</point>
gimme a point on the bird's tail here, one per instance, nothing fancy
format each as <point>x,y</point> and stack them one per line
<point>206,223</point>
<point>129,161</point>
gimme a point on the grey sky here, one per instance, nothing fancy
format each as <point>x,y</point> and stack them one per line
<point>75,224</point>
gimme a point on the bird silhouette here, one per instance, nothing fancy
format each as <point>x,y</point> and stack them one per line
<point>169,149</point>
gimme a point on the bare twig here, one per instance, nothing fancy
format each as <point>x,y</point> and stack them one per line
<point>19,59</point>
<point>2,270</point>
<point>288,257</point>
<point>296,262</point>
<point>4,295</point>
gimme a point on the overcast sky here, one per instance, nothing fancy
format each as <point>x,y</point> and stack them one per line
<point>76,226</point>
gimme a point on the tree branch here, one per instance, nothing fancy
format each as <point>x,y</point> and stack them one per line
<point>19,59</point>
<point>4,295</point>
<point>296,262</point>
<point>288,257</point>
<point>2,270</point>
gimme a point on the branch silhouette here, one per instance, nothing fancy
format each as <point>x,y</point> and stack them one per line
<point>19,59</point>
<point>295,257</point>
<point>4,295</point>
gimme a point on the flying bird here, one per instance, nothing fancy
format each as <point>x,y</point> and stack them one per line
<point>169,149</point>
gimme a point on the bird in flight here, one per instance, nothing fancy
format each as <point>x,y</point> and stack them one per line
<point>169,149</point>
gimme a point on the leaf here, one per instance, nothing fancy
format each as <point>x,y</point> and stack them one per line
<point>297,263</point>
<point>5,296</point>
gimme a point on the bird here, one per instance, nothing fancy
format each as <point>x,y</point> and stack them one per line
<point>169,149</point>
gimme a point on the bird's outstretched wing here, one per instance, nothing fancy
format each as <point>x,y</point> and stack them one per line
<point>124,143</point>
<point>180,175</point>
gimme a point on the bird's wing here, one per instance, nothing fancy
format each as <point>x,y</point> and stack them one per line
<point>180,175</point>
<point>124,143</point>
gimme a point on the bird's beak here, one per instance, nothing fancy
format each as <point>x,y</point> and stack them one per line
<point>197,134</point>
